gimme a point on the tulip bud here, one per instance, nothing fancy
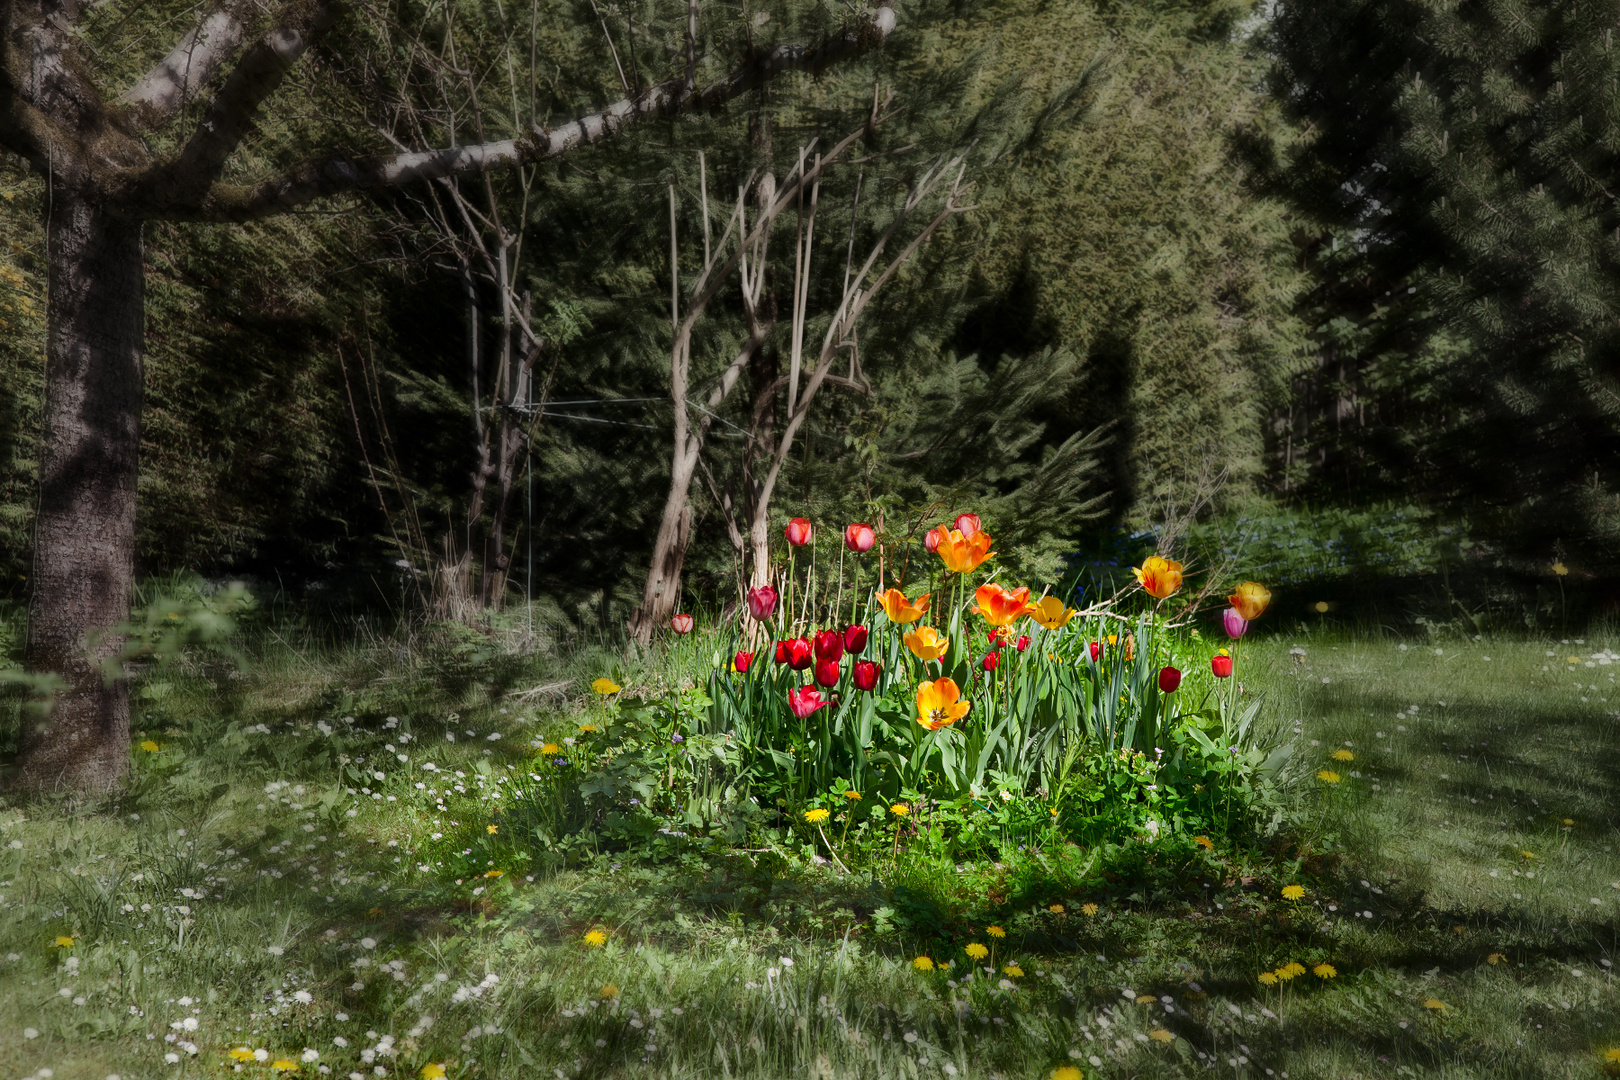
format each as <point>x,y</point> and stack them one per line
<point>1096,650</point>
<point>859,537</point>
<point>991,659</point>
<point>762,602</point>
<point>682,624</point>
<point>829,645</point>
<point>864,675</point>
<point>794,652</point>
<point>855,636</point>
<point>798,532</point>
<point>1221,665</point>
<point>934,537</point>
<point>967,525</point>
<point>1023,642</point>
<point>1169,679</point>
<point>741,662</point>
<point>1233,623</point>
<point>827,672</point>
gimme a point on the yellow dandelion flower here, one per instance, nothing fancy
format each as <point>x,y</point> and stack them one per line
<point>1495,958</point>
<point>1285,973</point>
<point>492,829</point>
<point>853,796</point>
<point>1436,1004</point>
<point>64,942</point>
<point>923,963</point>
<point>284,1065</point>
<point>149,746</point>
<point>1324,971</point>
<point>494,873</point>
<point>1293,967</point>
<point>1526,855</point>
<point>1293,892</point>
<point>589,728</point>
<point>816,816</point>
<point>1161,1035</point>
<point>1612,1056</point>
<point>434,1071</point>
<point>1067,1072</point>
<point>995,931</point>
<point>1560,569</point>
<point>1328,776</point>
<point>1088,909</point>
<point>595,939</point>
<point>1268,978</point>
<point>976,950</point>
<point>1013,971</point>
<point>1056,909</point>
<point>1342,755</point>
<point>606,686</point>
<point>899,809</point>
<point>609,992</point>
<point>242,1053</point>
<point>1204,842</point>
<point>1568,822</point>
<point>550,749</point>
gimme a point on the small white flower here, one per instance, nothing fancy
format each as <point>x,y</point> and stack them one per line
<point>276,950</point>
<point>261,1054</point>
<point>309,1055</point>
<point>172,1058</point>
<point>303,997</point>
<point>30,1033</point>
<point>189,1023</point>
<point>368,943</point>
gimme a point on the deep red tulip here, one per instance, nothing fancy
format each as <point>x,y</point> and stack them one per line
<point>798,532</point>
<point>968,525</point>
<point>934,537</point>
<point>682,624</point>
<point>741,661</point>
<point>794,652</point>
<point>762,602</point>
<point>805,700</point>
<point>1023,642</point>
<point>864,675</point>
<point>1221,665</point>
<point>827,672</point>
<point>855,636</point>
<point>1169,679</point>
<point>859,537</point>
<point>1096,650</point>
<point>829,645</point>
<point>991,660</point>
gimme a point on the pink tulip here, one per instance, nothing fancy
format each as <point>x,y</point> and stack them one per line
<point>859,537</point>
<point>1233,623</point>
<point>798,532</point>
<point>682,624</point>
<point>805,700</point>
<point>968,525</point>
<point>762,602</point>
<point>935,537</point>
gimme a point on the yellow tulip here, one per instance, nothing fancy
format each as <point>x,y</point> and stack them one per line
<point>962,555</point>
<point>1250,599</point>
<point>938,705</point>
<point>1000,606</point>
<point>899,609</point>
<point>1050,613</point>
<point>926,643</point>
<point>1160,577</point>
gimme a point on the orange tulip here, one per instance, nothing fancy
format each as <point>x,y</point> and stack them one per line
<point>963,555</point>
<point>1250,599</point>
<point>938,705</point>
<point>899,609</point>
<point>926,643</point>
<point>1160,577</point>
<point>999,606</point>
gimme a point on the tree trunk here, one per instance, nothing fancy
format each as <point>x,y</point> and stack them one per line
<point>84,535</point>
<point>663,588</point>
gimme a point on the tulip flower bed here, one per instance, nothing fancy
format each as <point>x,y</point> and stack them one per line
<point>966,704</point>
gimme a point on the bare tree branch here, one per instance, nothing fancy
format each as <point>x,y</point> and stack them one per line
<point>159,94</point>
<point>337,175</point>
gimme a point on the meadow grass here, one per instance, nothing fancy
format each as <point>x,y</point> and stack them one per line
<point>1461,878</point>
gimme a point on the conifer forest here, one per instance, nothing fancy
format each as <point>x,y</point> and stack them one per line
<point>902,538</point>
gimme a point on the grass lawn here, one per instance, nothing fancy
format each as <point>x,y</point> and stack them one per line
<point>1461,883</point>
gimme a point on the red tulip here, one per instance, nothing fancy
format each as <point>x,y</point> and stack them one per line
<point>794,652</point>
<point>991,659</point>
<point>829,645</point>
<point>1221,665</point>
<point>805,700</point>
<point>741,661</point>
<point>798,532</point>
<point>967,525</point>
<point>855,636</point>
<point>859,537</point>
<point>827,672</point>
<point>934,537</point>
<point>762,602</point>
<point>1096,650</point>
<point>1169,679</point>
<point>1023,642</point>
<point>864,675</point>
<point>682,624</point>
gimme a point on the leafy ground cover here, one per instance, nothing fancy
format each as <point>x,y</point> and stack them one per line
<point>321,868</point>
